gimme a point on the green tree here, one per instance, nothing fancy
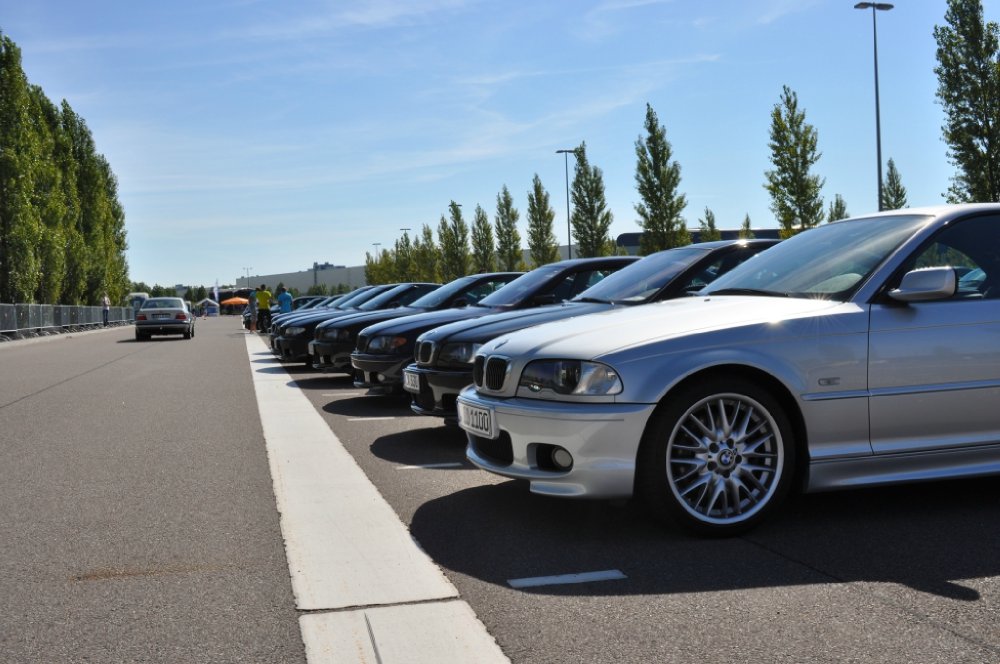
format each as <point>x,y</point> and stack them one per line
<point>426,257</point>
<point>403,259</point>
<point>708,230</point>
<point>795,192</point>
<point>509,255</point>
<point>893,191</point>
<point>483,251</point>
<point>453,237</point>
<point>380,268</point>
<point>969,91</point>
<point>838,209</point>
<point>20,223</point>
<point>657,179</point>
<point>541,240</point>
<point>746,231</point>
<point>591,217</point>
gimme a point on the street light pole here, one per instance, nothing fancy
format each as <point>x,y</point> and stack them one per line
<point>569,236</point>
<point>875,7</point>
<point>247,270</point>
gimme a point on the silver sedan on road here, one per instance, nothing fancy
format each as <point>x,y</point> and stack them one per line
<point>849,355</point>
<point>163,315</point>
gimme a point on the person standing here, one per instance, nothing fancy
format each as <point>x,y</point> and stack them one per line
<point>284,300</point>
<point>252,308</point>
<point>263,308</point>
<point>106,307</point>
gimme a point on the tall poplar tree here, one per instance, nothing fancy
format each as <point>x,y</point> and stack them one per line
<point>509,255</point>
<point>968,74</point>
<point>20,225</point>
<point>795,191</point>
<point>483,250</point>
<point>541,240</point>
<point>453,237</point>
<point>426,257</point>
<point>657,179</point>
<point>403,251</point>
<point>591,218</point>
<point>746,231</point>
<point>893,191</point>
<point>838,209</point>
<point>708,231</point>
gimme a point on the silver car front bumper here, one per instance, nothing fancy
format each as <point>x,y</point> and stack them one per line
<point>602,439</point>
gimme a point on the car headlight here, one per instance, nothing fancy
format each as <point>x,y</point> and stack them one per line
<point>386,344</point>
<point>294,331</point>
<point>459,353</point>
<point>571,377</point>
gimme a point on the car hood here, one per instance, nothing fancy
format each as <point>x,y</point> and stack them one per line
<point>365,318</point>
<point>602,334</point>
<point>490,326</point>
<point>426,321</point>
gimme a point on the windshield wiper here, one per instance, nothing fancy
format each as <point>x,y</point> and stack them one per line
<point>746,291</point>
<point>592,300</point>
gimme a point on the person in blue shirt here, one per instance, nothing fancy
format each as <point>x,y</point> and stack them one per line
<point>284,300</point>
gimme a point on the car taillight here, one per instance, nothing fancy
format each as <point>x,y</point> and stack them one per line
<point>181,316</point>
<point>140,316</point>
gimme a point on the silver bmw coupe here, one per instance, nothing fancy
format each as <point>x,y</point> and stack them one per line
<point>858,353</point>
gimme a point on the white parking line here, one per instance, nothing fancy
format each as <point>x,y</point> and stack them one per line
<point>369,419</point>
<point>564,579</point>
<point>454,464</point>
<point>343,394</point>
<point>346,549</point>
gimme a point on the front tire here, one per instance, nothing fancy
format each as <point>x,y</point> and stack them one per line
<point>717,457</point>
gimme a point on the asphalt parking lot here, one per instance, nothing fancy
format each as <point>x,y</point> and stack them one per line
<point>894,575</point>
<point>166,546</point>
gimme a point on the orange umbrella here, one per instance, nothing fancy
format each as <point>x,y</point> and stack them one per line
<point>234,300</point>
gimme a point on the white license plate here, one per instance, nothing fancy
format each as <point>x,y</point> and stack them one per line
<point>476,420</point>
<point>161,315</point>
<point>411,382</point>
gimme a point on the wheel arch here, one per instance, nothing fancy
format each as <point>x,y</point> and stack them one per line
<point>774,386</point>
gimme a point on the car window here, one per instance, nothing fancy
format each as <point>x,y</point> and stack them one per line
<point>577,282</point>
<point>972,249</point>
<point>826,262</point>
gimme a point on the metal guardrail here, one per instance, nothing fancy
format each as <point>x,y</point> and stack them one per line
<point>21,321</point>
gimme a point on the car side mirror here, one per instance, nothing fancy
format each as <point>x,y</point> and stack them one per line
<point>932,283</point>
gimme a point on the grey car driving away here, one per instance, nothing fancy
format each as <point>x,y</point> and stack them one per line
<point>849,355</point>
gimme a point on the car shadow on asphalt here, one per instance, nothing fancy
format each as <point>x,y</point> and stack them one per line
<point>375,405</point>
<point>423,447</point>
<point>926,537</point>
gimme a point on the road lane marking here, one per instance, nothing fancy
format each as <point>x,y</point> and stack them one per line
<point>369,419</point>
<point>347,548</point>
<point>564,579</point>
<point>450,464</point>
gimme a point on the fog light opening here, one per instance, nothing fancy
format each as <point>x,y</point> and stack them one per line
<point>380,378</point>
<point>561,458</point>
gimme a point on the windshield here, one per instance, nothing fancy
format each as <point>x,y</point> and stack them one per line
<point>384,297</point>
<point>353,300</point>
<point>827,262</point>
<point>643,279</point>
<point>438,297</point>
<point>527,284</point>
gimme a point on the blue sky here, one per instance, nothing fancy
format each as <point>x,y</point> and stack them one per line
<point>249,133</point>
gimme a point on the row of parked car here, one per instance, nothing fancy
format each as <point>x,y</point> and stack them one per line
<point>862,352</point>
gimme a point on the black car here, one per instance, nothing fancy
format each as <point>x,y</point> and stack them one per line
<point>334,340</point>
<point>327,302</point>
<point>348,302</point>
<point>445,354</point>
<point>384,349</point>
<point>292,345</point>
